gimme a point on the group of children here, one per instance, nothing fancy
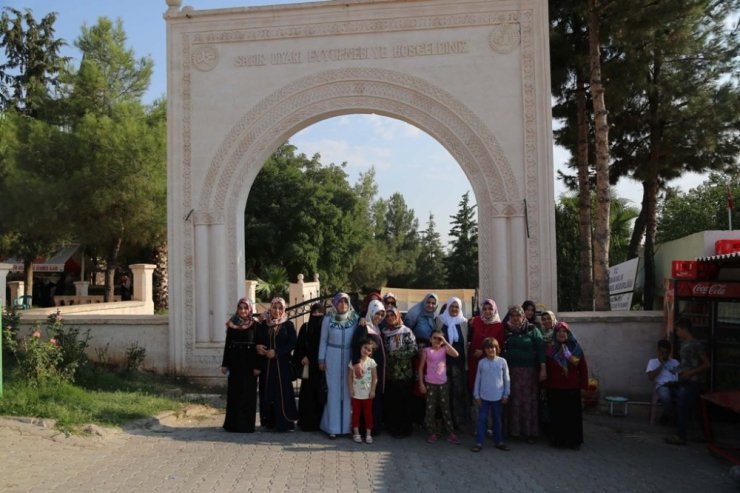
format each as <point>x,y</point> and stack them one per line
<point>491,391</point>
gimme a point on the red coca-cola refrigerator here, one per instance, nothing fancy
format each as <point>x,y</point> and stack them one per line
<point>714,310</point>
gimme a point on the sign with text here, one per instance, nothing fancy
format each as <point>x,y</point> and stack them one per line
<point>621,301</point>
<point>622,277</point>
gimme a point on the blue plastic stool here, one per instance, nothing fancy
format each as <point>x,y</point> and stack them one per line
<point>618,400</point>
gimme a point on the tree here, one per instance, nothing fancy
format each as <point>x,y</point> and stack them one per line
<point>300,215</point>
<point>679,107</point>
<point>30,147</point>
<point>32,62</point>
<point>431,271</point>
<point>119,147</point>
<point>462,261</point>
<point>570,270</point>
<point>569,48</point>
<point>601,149</point>
<point>34,219</point>
<point>400,238</point>
<point>701,208</point>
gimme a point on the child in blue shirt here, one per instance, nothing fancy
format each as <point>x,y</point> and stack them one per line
<point>491,391</point>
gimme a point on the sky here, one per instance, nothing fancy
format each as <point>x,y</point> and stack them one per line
<point>405,158</point>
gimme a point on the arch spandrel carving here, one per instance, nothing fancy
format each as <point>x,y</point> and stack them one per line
<point>394,94</point>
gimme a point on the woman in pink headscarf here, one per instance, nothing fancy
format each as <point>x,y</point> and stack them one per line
<point>487,324</point>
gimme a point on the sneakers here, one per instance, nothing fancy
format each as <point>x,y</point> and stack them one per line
<point>432,438</point>
<point>369,438</point>
<point>452,438</point>
<point>357,438</point>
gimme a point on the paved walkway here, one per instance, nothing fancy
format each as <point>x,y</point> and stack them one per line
<point>192,453</point>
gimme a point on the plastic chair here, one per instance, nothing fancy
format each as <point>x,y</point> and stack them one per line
<point>23,302</point>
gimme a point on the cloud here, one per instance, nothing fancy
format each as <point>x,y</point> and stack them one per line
<point>358,157</point>
<point>389,129</point>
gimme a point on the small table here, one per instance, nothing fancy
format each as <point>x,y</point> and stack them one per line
<point>618,400</point>
<point>729,399</point>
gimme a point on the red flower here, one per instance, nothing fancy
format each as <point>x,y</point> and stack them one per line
<point>36,334</point>
<point>53,341</point>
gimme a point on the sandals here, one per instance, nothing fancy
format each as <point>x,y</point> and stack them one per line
<point>502,446</point>
<point>357,438</point>
<point>477,447</point>
<point>432,438</point>
<point>452,438</point>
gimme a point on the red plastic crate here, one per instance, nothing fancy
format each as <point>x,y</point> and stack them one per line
<point>692,269</point>
<point>726,246</point>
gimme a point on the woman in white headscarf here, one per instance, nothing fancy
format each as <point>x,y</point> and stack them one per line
<point>371,330</point>
<point>335,353</point>
<point>454,325</point>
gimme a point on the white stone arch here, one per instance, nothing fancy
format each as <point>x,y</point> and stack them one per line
<point>505,155</point>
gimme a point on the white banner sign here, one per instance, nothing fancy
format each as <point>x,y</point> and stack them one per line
<point>622,277</point>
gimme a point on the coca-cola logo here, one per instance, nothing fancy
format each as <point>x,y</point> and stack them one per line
<point>717,290</point>
<point>706,289</point>
<point>700,290</point>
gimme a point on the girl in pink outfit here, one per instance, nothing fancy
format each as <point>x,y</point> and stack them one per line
<point>433,383</point>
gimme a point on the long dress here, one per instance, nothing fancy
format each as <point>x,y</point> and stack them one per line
<point>312,396</point>
<point>277,400</point>
<point>401,348</point>
<point>362,333</point>
<point>335,350</point>
<point>524,351</point>
<point>564,401</point>
<point>240,357</point>
<point>457,377</point>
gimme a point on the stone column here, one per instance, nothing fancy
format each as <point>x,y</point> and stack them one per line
<point>17,288</point>
<point>202,285</point>
<point>250,291</point>
<point>500,266</point>
<point>81,288</point>
<point>4,271</point>
<point>143,284</point>
<point>220,306</point>
<point>518,261</point>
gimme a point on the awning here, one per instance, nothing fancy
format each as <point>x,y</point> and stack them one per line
<point>726,259</point>
<point>61,261</point>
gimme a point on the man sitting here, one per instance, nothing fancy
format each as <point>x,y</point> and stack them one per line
<point>661,371</point>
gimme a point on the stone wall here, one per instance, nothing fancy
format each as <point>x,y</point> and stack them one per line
<point>120,332</point>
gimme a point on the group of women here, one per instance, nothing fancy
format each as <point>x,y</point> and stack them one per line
<point>547,367</point>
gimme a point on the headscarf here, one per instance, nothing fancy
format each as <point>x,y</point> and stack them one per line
<point>242,323</point>
<point>394,335</point>
<point>390,295</point>
<point>268,315</point>
<point>526,304</point>
<point>419,310</point>
<point>372,295</point>
<point>514,329</point>
<point>451,321</point>
<point>495,318</point>
<point>373,307</point>
<point>569,351</point>
<point>547,334</point>
<point>343,319</point>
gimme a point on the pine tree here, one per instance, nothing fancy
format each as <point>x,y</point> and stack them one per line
<point>462,261</point>
<point>431,271</point>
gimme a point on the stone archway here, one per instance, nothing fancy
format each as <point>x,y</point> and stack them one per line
<point>327,59</point>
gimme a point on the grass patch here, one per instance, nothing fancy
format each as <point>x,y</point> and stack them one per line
<point>101,397</point>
